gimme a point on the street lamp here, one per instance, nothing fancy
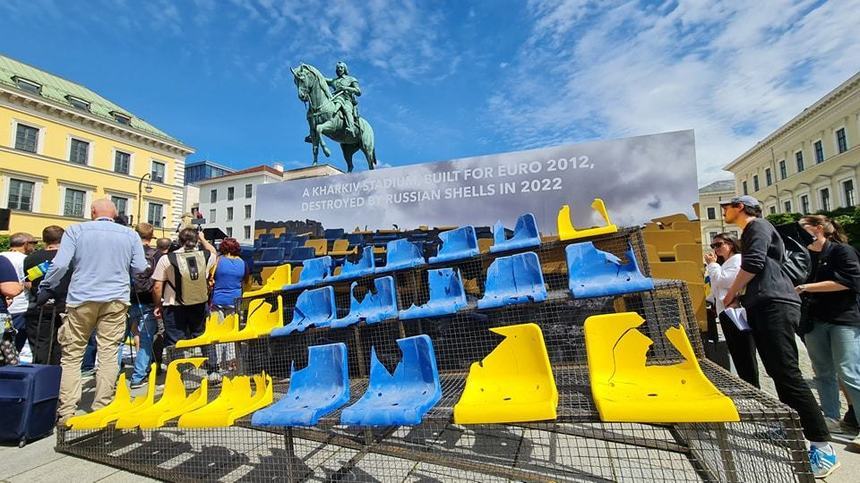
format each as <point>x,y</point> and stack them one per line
<point>146,177</point>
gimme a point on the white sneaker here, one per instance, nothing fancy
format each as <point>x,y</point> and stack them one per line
<point>833,425</point>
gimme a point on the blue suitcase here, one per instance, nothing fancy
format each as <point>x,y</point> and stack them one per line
<point>28,401</point>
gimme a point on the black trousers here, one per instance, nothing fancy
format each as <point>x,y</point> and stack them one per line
<point>187,322</point>
<point>42,335</point>
<point>773,326</point>
<point>742,349</point>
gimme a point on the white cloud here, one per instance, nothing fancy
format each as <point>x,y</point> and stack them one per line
<point>733,71</point>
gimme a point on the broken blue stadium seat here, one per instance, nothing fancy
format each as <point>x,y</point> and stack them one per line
<point>378,305</point>
<point>269,257</point>
<point>316,390</point>
<point>457,244</point>
<point>365,265</point>
<point>595,273</point>
<point>300,254</point>
<point>512,280</point>
<point>447,295</point>
<point>313,308</point>
<point>333,234</point>
<point>525,235</point>
<point>400,254</point>
<point>314,271</point>
<point>402,398</point>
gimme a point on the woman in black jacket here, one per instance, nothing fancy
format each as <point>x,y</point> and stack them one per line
<point>834,313</point>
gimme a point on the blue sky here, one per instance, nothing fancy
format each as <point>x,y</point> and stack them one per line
<point>448,79</point>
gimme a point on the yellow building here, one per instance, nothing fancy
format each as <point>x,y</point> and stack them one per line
<point>811,162</point>
<point>63,146</point>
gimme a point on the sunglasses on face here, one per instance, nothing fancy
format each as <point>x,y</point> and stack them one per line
<point>716,245</point>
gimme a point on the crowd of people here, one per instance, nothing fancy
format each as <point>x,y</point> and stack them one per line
<point>99,283</point>
<point>823,310</point>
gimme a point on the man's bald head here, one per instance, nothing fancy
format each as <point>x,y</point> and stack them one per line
<point>103,208</point>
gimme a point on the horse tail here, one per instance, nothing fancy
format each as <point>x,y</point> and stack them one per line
<point>368,142</point>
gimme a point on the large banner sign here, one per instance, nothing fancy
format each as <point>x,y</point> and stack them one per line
<point>638,178</point>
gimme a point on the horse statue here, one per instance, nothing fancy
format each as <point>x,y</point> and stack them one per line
<point>327,115</point>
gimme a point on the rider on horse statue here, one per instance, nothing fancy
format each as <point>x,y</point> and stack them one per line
<point>345,92</point>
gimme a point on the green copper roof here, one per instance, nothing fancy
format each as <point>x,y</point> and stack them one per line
<point>717,186</point>
<point>56,89</point>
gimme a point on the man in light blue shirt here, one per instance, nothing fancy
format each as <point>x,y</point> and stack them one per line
<point>102,256</point>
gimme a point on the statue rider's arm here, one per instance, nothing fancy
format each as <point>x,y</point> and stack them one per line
<point>353,86</point>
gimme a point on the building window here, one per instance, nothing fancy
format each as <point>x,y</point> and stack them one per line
<point>154,214</point>
<point>73,205</point>
<point>249,190</point>
<point>768,177</point>
<point>712,235</point>
<point>211,216</point>
<point>755,183</point>
<point>782,171</point>
<point>804,204</point>
<point>247,212</point>
<point>79,151</point>
<point>819,152</point>
<point>247,232</point>
<point>121,162</point>
<point>28,85</point>
<point>841,142</point>
<point>744,184</point>
<point>26,138</point>
<point>78,103</point>
<point>787,206</point>
<point>213,196</point>
<point>712,213</point>
<point>848,191</point>
<point>825,199</point>
<point>121,204</point>
<point>121,118</point>
<point>229,213</point>
<point>231,192</point>
<point>157,172</point>
<point>230,231</point>
<point>772,210</point>
<point>798,156</point>
<point>21,195</point>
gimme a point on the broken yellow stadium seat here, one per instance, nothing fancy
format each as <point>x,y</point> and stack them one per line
<point>514,383</point>
<point>669,219</point>
<point>276,232</point>
<point>214,331</point>
<point>282,275</point>
<point>651,253</point>
<point>341,248</point>
<point>261,320</point>
<point>122,403</point>
<point>297,272</point>
<point>484,244</point>
<point>686,271</point>
<point>697,298</point>
<point>236,399</point>
<point>665,240</point>
<point>689,252</point>
<point>320,246</point>
<point>174,400</point>
<point>626,390</point>
<point>566,230</point>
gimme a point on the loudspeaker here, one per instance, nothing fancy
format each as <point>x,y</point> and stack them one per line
<point>4,218</point>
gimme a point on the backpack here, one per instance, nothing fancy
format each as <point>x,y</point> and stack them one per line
<point>143,282</point>
<point>797,262</point>
<point>190,275</point>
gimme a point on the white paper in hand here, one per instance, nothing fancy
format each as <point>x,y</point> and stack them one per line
<point>739,317</point>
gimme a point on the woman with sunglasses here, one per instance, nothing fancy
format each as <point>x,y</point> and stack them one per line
<point>723,265</point>
<point>834,313</point>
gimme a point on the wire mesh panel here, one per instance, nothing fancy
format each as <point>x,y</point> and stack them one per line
<point>765,446</point>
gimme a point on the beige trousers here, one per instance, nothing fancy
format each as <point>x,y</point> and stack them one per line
<point>108,319</point>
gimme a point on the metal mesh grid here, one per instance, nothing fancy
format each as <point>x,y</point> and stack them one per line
<point>765,446</point>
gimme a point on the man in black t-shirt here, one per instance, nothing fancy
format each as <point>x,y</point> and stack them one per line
<point>773,312</point>
<point>43,341</point>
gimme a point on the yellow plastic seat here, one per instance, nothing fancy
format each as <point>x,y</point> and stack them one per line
<point>173,402</point>
<point>665,240</point>
<point>651,253</point>
<point>235,400</point>
<point>484,244</point>
<point>686,271</point>
<point>214,331</point>
<point>297,272</point>
<point>626,390</point>
<point>341,248</point>
<point>276,232</point>
<point>669,219</point>
<point>566,230</point>
<point>260,321</point>
<point>697,297</point>
<point>320,246</point>
<point>282,275</point>
<point>514,383</point>
<point>122,403</point>
<point>689,252</point>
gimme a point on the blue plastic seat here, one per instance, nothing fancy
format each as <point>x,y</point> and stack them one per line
<point>333,234</point>
<point>313,308</point>
<point>400,254</point>
<point>266,236</point>
<point>314,271</point>
<point>269,257</point>
<point>355,238</point>
<point>512,280</point>
<point>595,273</point>
<point>377,305</point>
<point>300,254</point>
<point>365,265</point>
<point>447,295</point>
<point>457,244</point>
<point>402,398</point>
<point>258,244</point>
<point>525,235</point>
<point>301,239</point>
<point>316,390</point>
